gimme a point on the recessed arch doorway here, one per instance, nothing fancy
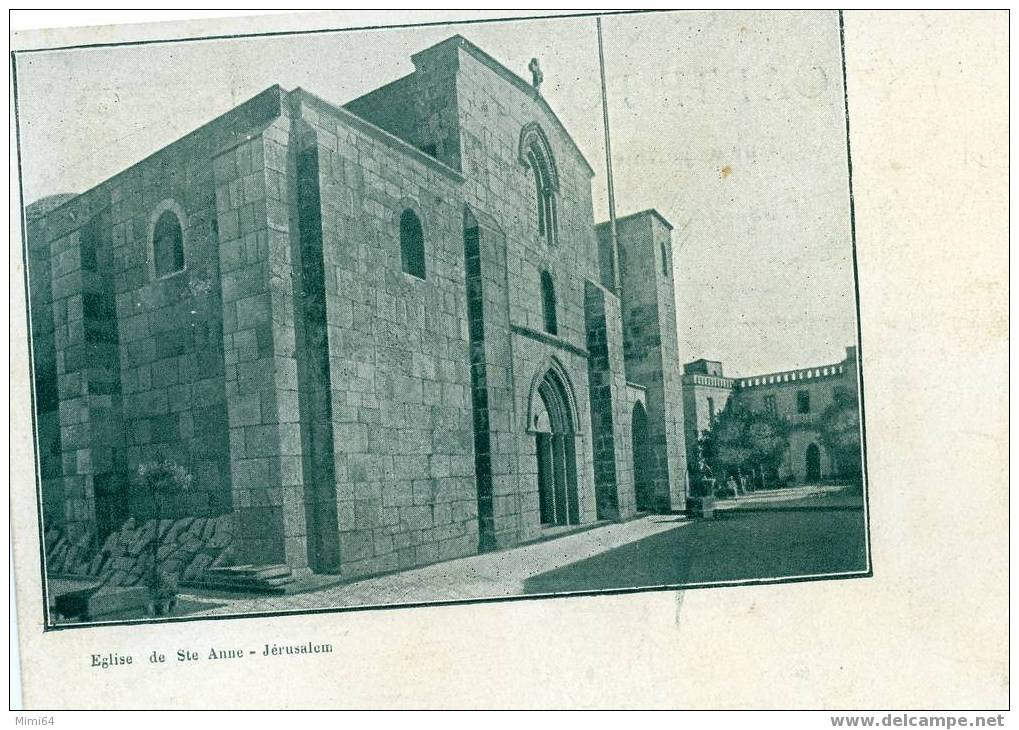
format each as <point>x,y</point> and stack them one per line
<point>643,460</point>
<point>555,447</point>
<point>813,465</point>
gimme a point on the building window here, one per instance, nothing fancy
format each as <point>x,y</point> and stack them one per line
<point>711,411</point>
<point>769,405</point>
<point>665,261</point>
<point>803,401</point>
<point>412,244</point>
<point>87,240</point>
<point>548,303</point>
<point>168,244</point>
<point>536,155</point>
<point>545,197</point>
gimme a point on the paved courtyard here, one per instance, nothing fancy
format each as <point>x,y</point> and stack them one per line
<point>806,533</point>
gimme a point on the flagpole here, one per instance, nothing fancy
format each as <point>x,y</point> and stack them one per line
<point>608,161</point>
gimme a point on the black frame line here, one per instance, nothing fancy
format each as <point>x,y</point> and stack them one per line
<point>49,627</point>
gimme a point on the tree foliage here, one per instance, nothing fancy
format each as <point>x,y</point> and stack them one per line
<point>163,480</point>
<point>742,442</point>
<point>164,477</point>
<point>839,426</point>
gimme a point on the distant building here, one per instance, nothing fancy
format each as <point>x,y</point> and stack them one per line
<point>799,396</point>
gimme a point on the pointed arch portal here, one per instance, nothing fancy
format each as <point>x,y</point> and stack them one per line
<point>643,460</point>
<point>555,446</point>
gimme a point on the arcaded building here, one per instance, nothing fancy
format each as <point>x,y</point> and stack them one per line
<point>378,335</point>
<point>798,396</point>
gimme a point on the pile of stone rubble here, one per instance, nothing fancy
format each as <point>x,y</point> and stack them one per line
<point>183,548</point>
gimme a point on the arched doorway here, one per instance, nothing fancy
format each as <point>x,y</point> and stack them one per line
<point>813,463</point>
<point>643,460</point>
<point>553,430</point>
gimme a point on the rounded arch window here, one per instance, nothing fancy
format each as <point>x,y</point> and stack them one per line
<point>168,244</point>
<point>412,244</point>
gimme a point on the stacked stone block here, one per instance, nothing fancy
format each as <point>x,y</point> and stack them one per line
<point>137,363</point>
<point>171,357</point>
<point>312,352</point>
<point>651,354</point>
<point>87,367</point>
<point>491,108</point>
<point>44,361</point>
<point>398,348</point>
<point>610,409</point>
<point>253,210</point>
<point>182,549</point>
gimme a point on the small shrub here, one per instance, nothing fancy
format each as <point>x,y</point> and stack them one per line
<point>162,480</point>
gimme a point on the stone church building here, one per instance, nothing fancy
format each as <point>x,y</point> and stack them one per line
<point>378,335</point>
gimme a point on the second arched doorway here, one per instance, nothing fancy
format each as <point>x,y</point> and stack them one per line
<point>813,465</point>
<point>643,460</point>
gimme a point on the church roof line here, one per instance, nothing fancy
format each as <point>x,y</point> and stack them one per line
<point>274,94</point>
<point>500,69</point>
<point>647,211</point>
<point>378,133</point>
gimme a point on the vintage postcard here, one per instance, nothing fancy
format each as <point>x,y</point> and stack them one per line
<point>324,319</point>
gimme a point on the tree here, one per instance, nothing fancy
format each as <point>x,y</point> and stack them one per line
<point>741,442</point>
<point>769,437</point>
<point>164,481</point>
<point>839,426</point>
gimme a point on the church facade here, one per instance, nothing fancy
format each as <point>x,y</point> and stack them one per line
<point>377,335</point>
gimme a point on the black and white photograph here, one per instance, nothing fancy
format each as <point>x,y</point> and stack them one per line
<point>460,313</point>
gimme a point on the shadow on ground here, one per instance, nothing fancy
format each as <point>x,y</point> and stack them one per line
<point>735,546</point>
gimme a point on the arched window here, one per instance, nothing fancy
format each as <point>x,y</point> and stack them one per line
<point>548,303</point>
<point>536,155</point>
<point>412,244</point>
<point>665,261</point>
<point>168,244</point>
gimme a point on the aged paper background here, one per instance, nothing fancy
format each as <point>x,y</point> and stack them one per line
<point>928,109</point>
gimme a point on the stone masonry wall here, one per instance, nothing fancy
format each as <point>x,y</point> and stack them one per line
<point>610,411</point>
<point>470,113</point>
<point>672,373</point>
<point>253,179</point>
<point>651,348</point>
<point>491,113</point>
<point>784,389</point>
<point>86,373</point>
<point>138,360</point>
<point>44,367</point>
<point>398,350</point>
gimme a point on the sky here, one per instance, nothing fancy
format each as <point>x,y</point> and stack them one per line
<point>730,124</point>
